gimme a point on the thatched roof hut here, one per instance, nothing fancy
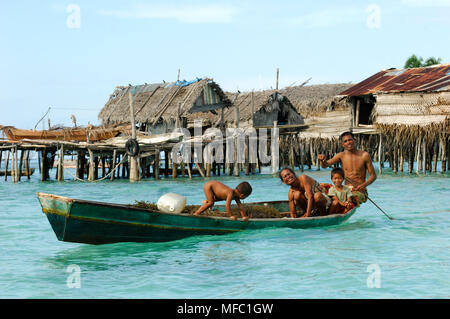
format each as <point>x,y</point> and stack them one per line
<point>158,106</point>
<point>409,107</point>
<point>260,109</point>
<point>396,97</point>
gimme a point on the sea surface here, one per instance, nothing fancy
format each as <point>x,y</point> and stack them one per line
<point>368,256</point>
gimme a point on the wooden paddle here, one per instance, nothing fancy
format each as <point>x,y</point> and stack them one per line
<point>371,201</point>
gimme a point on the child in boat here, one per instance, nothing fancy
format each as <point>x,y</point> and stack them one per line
<point>216,191</point>
<point>339,193</point>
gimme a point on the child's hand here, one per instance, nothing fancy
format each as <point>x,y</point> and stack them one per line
<point>349,205</point>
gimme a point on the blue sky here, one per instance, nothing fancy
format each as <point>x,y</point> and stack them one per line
<point>69,55</point>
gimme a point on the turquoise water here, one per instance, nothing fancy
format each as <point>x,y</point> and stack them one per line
<point>410,254</point>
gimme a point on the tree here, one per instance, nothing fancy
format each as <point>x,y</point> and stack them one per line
<point>417,62</point>
<point>432,61</point>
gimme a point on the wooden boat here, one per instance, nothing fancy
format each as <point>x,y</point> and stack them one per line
<point>90,222</point>
<point>22,173</point>
<point>67,134</point>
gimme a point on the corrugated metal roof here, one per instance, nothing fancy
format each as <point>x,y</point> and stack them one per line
<point>426,79</point>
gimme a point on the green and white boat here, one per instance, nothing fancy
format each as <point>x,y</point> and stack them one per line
<point>91,222</point>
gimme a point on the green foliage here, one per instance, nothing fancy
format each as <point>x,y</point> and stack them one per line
<point>417,62</point>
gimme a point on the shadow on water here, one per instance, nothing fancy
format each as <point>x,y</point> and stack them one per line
<point>358,224</point>
<point>103,256</point>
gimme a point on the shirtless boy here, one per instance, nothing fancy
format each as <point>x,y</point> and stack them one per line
<point>304,193</point>
<point>216,191</point>
<point>355,164</point>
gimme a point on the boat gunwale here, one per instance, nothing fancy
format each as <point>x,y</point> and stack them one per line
<point>132,207</point>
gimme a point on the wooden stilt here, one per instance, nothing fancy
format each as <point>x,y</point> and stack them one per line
<point>91,165</point>
<point>113,164</point>
<point>156,164</point>
<point>174,168</point>
<point>20,165</point>
<point>380,157</point>
<point>60,169</point>
<point>410,160</point>
<point>6,165</point>
<point>13,165</point>
<point>424,156</point>
<point>27,164</point>
<point>189,169</point>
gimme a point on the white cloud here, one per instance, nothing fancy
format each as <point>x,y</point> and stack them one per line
<point>194,14</point>
<point>427,3</point>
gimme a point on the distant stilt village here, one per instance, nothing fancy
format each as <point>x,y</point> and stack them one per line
<point>189,128</point>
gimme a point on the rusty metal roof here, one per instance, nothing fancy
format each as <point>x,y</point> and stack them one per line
<point>425,79</point>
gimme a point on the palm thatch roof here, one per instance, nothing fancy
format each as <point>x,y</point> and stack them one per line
<point>306,100</point>
<point>163,101</point>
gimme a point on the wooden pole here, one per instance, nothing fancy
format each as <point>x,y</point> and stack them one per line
<point>189,170</point>
<point>424,156</point>
<point>27,164</point>
<point>61,164</point>
<point>21,164</point>
<point>113,164</point>
<point>410,159</point>
<point>174,166</point>
<point>91,165</point>
<point>133,173</point>
<point>380,157</point>
<point>6,165</point>
<point>13,165</point>
<point>358,106</point>
<point>156,164</point>
<point>418,155</point>
<point>278,74</point>
<point>274,150</point>
<point>166,163</point>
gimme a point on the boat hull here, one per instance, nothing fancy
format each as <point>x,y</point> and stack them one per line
<point>92,222</point>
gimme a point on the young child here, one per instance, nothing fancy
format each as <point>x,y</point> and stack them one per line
<point>216,191</point>
<point>339,193</point>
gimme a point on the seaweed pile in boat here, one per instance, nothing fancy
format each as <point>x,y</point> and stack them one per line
<point>252,211</point>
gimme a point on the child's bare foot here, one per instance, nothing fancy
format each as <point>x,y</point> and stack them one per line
<point>233,217</point>
<point>245,219</point>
